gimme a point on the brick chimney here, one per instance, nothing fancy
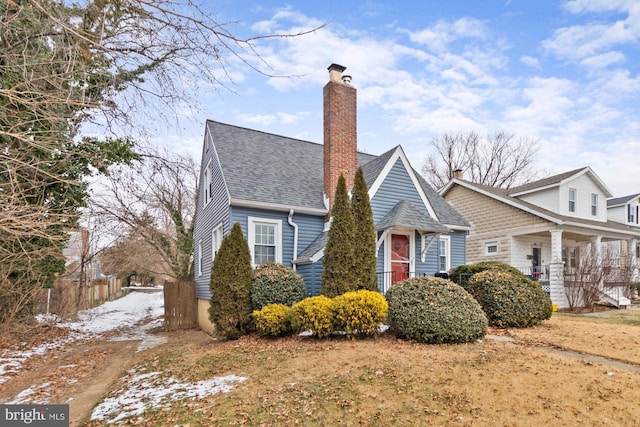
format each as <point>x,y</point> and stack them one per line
<point>340,138</point>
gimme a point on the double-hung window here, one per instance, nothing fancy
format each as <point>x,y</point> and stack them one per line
<point>445,253</point>
<point>572,200</point>
<point>206,178</point>
<point>594,204</point>
<point>216,240</point>
<point>265,240</point>
<point>631,217</point>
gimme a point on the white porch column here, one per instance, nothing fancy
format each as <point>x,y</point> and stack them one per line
<point>634,275</point>
<point>556,271</point>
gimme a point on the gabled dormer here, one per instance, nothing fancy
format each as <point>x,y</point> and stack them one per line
<point>578,193</point>
<point>625,210</point>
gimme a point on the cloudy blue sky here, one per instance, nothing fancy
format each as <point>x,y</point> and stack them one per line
<point>564,72</point>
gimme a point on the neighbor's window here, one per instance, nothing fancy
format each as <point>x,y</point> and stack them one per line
<point>491,248</point>
<point>572,200</point>
<point>265,240</point>
<point>445,253</point>
<point>594,204</point>
<point>632,214</point>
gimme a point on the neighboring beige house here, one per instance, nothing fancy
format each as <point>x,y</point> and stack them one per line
<point>544,228</point>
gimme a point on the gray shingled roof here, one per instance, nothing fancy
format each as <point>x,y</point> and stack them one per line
<point>405,214</point>
<point>621,200</point>
<point>550,180</point>
<point>314,247</point>
<point>263,167</point>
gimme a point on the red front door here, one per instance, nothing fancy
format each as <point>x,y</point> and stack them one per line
<point>400,257</point>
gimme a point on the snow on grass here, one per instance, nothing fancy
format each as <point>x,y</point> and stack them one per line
<point>122,315</point>
<point>150,390</point>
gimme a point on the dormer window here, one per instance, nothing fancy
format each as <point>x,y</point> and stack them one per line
<point>572,200</point>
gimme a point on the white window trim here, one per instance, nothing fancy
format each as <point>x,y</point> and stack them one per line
<point>487,245</point>
<point>594,204</point>
<point>218,229</point>
<point>200,257</point>
<point>575,202</point>
<point>448,254</point>
<point>251,222</point>
<point>207,184</point>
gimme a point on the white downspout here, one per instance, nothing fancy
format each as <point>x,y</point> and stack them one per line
<point>295,238</point>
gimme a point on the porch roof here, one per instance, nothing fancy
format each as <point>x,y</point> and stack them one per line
<point>405,214</point>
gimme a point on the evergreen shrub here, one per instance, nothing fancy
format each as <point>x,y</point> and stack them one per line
<point>434,310</point>
<point>509,300</point>
<point>230,285</point>
<point>359,312</point>
<point>273,320</point>
<point>471,269</point>
<point>313,314</point>
<point>275,283</point>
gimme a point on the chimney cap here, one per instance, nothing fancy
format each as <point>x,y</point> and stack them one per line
<point>336,67</point>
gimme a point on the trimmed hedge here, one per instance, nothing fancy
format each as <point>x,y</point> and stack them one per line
<point>471,269</point>
<point>359,312</point>
<point>313,314</point>
<point>509,300</point>
<point>273,320</point>
<point>274,283</point>
<point>434,310</point>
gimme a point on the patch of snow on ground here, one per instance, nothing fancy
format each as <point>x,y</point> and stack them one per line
<point>122,314</point>
<point>26,396</point>
<point>147,390</point>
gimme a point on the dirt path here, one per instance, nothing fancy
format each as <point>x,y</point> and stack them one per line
<point>82,372</point>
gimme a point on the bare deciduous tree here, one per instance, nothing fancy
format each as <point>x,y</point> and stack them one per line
<point>94,66</point>
<point>499,160</point>
<point>149,209</point>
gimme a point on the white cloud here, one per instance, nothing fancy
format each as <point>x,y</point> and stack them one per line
<point>530,61</point>
<point>598,6</point>
<point>258,119</point>
<point>440,35</point>
<point>604,60</point>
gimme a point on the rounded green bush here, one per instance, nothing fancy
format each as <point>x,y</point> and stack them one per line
<point>275,283</point>
<point>313,314</point>
<point>359,312</point>
<point>434,310</point>
<point>509,300</point>
<point>274,320</point>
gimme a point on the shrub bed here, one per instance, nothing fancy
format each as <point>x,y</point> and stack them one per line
<point>274,283</point>
<point>509,300</point>
<point>359,312</point>
<point>434,310</point>
<point>471,269</point>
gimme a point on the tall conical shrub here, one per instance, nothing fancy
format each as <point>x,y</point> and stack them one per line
<point>230,304</point>
<point>338,263</point>
<point>364,242</point>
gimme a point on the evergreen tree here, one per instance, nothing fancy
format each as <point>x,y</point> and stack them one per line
<point>338,262</point>
<point>230,305</point>
<point>364,242</point>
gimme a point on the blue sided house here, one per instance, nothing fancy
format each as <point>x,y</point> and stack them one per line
<point>280,190</point>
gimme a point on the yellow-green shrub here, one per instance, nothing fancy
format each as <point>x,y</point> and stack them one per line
<point>359,312</point>
<point>313,314</point>
<point>274,320</point>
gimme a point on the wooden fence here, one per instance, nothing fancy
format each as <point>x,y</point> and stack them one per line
<point>180,308</point>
